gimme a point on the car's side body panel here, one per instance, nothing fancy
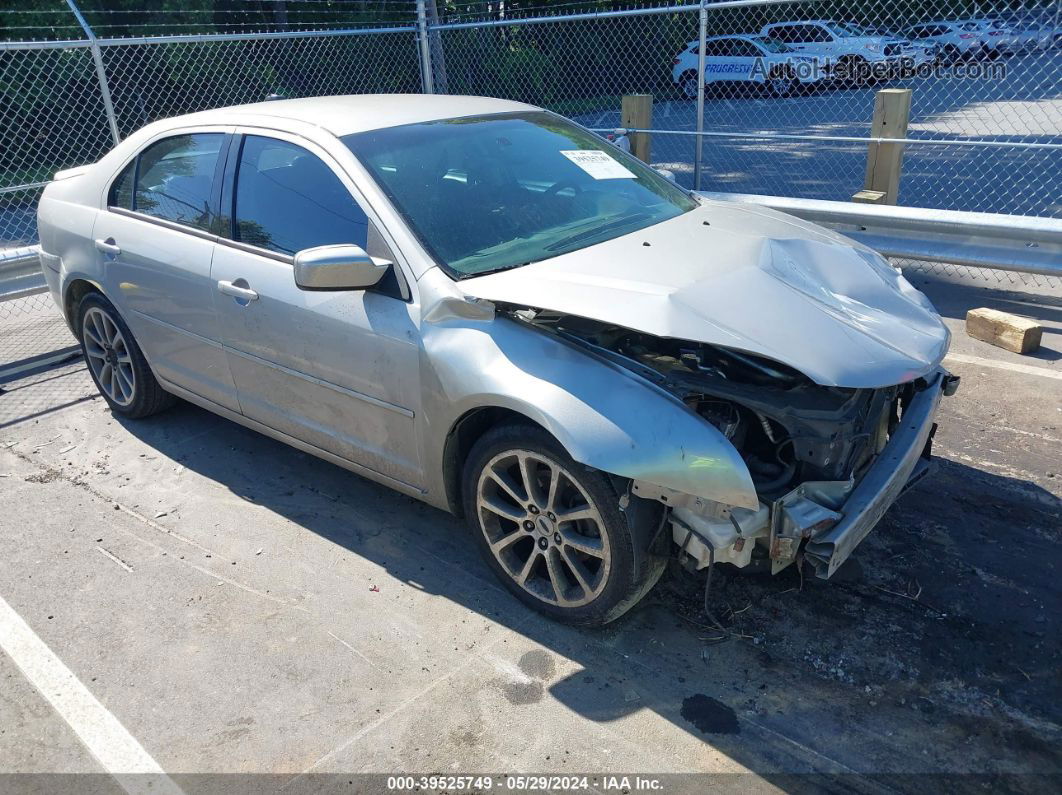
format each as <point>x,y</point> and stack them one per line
<point>336,369</point>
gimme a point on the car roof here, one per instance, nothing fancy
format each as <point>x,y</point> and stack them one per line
<point>343,115</point>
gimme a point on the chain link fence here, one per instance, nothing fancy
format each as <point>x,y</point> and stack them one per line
<point>985,130</point>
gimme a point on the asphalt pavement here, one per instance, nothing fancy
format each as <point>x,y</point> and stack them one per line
<point>1024,106</point>
<point>222,604</point>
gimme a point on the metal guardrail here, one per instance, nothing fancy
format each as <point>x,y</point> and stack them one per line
<point>1024,244</point>
<point>1000,242</point>
<point>20,273</point>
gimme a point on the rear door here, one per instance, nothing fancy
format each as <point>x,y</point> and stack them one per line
<point>155,241</point>
<point>717,67</point>
<point>339,370</point>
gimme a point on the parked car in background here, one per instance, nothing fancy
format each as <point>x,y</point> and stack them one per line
<point>914,55</point>
<point>745,60</point>
<point>1032,35</point>
<point>953,41</point>
<point>484,306</point>
<point>842,49</point>
<point>998,40</point>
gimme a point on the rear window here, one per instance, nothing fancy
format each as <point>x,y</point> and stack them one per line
<point>121,194</point>
<point>175,178</point>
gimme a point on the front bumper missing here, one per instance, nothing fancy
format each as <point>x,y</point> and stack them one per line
<point>903,461</point>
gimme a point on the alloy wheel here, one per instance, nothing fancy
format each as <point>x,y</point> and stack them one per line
<point>543,528</point>
<point>781,86</point>
<point>109,356</point>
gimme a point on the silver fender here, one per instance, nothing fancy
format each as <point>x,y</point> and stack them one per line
<point>605,416</point>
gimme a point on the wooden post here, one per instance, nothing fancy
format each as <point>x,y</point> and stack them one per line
<point>636,112</point>
<point>892,110</point>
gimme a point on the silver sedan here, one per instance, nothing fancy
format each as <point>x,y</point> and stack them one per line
<point>489,308</point>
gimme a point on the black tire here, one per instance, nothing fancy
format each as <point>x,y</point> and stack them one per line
<point>146,396</point>
<point>782,83</point>
<point>687,85</point>
<point>951,54</point>
<point>854,71</point>
<point>633,568</point>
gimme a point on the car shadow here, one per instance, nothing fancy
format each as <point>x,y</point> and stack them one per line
<point>941,628</point>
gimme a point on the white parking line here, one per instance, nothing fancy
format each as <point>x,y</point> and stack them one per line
<point>105,738</point>
<point>1012,366</point>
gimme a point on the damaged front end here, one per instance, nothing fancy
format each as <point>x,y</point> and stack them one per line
<point>826,461</point>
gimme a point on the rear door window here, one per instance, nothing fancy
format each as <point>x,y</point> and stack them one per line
<point>121,193</point>
<point>175,179</point>
<point>287,199</point>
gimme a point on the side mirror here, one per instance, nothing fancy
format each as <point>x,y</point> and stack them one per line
<point>665,173</point>
<point>341,267</point>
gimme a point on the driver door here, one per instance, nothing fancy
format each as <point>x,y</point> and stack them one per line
<point>339,369</point>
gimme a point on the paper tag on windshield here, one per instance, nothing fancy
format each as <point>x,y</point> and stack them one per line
<point>597,164</point>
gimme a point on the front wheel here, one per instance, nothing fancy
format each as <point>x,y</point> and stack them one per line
<point>115,361</point>
<point>552,531</point>
<point>782,84</point>
<point>854,71</point>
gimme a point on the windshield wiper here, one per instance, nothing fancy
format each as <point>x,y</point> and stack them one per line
<point>627,219</point>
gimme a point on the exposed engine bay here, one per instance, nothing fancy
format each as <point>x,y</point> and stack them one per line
<point>806,446</point>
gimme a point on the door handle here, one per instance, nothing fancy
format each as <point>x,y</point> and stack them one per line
<point>108,246</point>
<point>246,293</point>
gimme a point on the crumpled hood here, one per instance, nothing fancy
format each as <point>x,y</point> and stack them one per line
<point>750,279</point>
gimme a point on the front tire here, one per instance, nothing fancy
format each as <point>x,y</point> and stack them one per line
<point>782,84</point>
<point>115,361</point>
<point>552,531</point>
<point>854,71</point>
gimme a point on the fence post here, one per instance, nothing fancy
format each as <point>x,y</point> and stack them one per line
<point>101,73</point>
<point>427,80</point>
<point>702,35</point>
<point>435,47</point>
<point>892,110</point>
<point>636,112</point>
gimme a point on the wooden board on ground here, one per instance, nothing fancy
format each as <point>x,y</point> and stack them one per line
<point>1010,332</point>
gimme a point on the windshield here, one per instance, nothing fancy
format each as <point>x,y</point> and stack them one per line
<point>771,45</point>
<point>486,193</point>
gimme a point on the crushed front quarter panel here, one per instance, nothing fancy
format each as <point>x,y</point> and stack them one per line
<point>604,416</point>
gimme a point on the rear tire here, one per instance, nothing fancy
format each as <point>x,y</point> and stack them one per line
<point>688,85</point>
<point>518,486</point>
<point>115,361</point>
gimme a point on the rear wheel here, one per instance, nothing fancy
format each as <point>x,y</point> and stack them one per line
<point>115,361</point>
<point>688,85</point>
<point>552,531</point>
